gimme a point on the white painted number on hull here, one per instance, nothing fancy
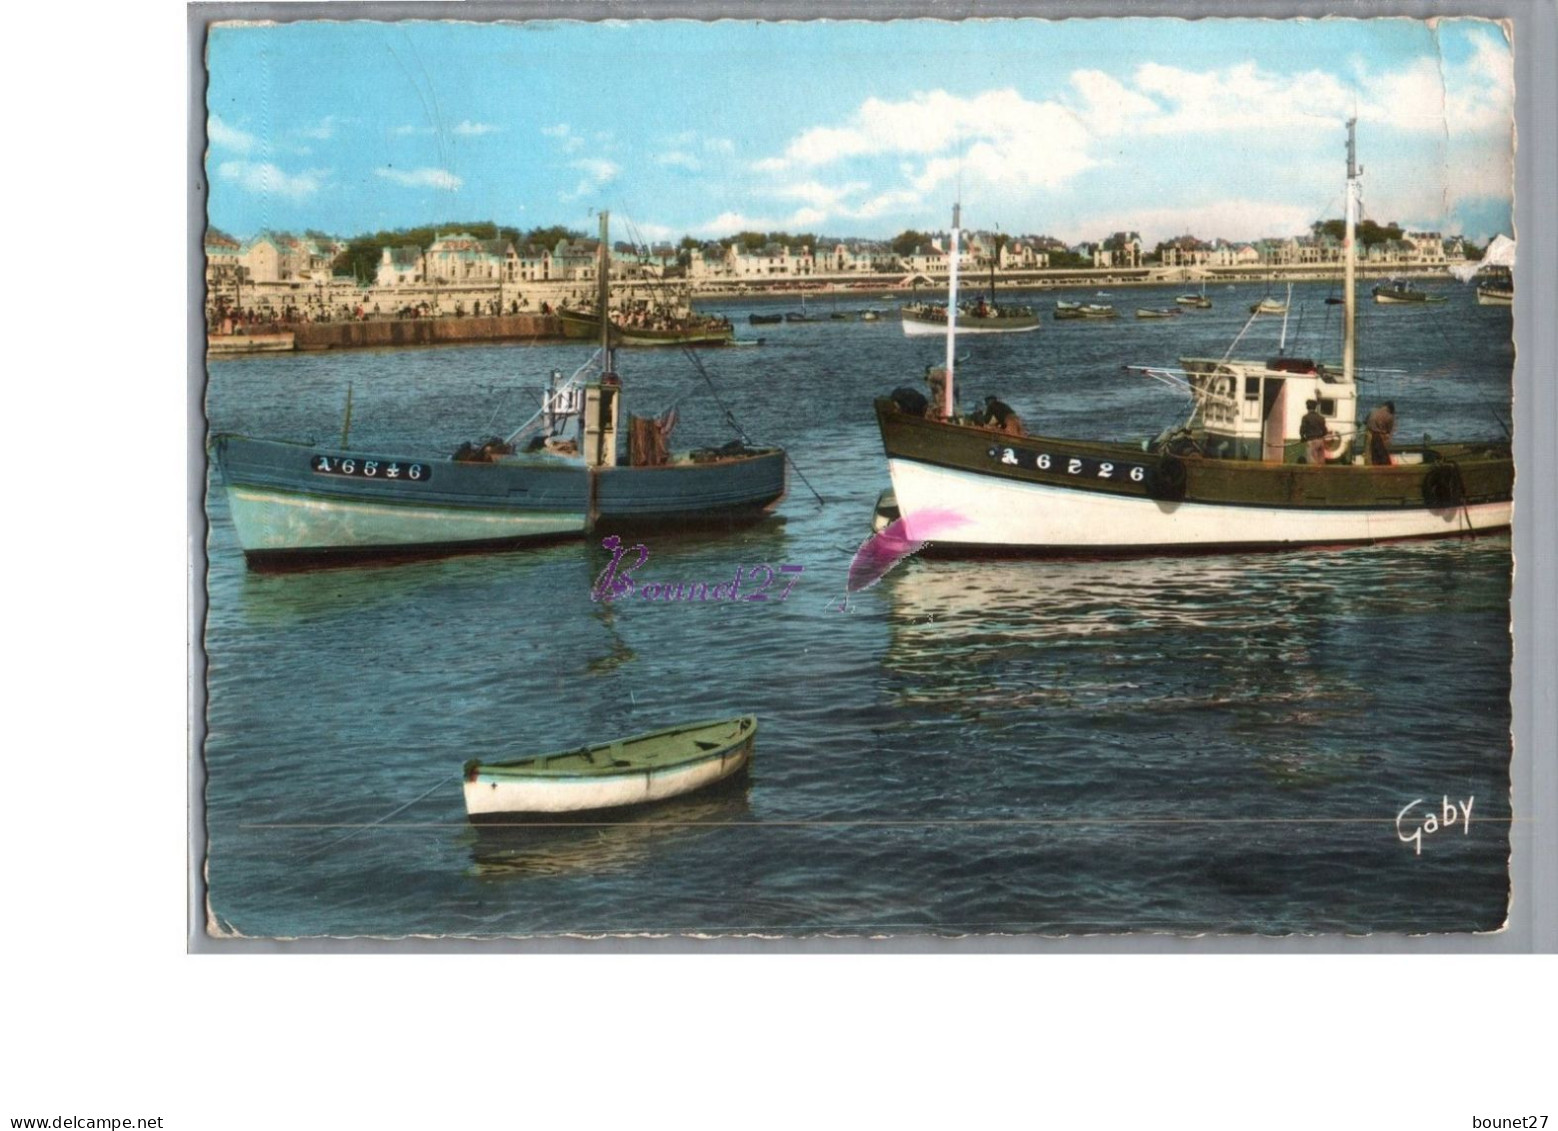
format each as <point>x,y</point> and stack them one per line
<point>371,468</point>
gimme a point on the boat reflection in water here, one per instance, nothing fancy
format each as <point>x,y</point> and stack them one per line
<point>602,842</point>
<point>1273,660</point>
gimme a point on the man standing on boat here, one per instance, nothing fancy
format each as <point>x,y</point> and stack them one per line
<point>1381,426</point>
<point>1312,428</point>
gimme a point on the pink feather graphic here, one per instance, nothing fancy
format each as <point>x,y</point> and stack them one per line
<point>894,542</point>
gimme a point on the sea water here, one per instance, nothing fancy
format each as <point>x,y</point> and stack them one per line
<point>1241,743</point>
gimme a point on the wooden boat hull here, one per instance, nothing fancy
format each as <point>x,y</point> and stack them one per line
<point>917,329</point>
<point>1491,296</point>
<point>634,771</point>
<point>1044,496</point>
<point>585,327</point>
<point>228,345</point>
<point>1386,296</point>
<point>1194,302</point>
<point>301,502</point>
<point>1078,312</point>
<point>933,323</point>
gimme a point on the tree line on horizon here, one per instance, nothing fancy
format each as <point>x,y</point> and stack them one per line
<point>363,253</point>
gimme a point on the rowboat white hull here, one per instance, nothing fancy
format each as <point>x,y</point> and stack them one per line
<point>916,329</point>
<point>1495,298</point>
<point>492,793</point>
<point>1006,513</point>
<point>276,521</point>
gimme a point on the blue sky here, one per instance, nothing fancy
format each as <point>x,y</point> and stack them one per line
<point>1073,128</point>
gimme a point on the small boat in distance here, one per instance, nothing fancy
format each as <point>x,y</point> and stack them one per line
<point>1496,291</point>
<point>1393,291</point>
<point>1195,301</point>
<point>1161,312</point>
<point>612,775</point>
<point>1065,311</point>
<point>977,316</point>
<point>764,319</point>
<point>647,327</point>
<point>924,318</point>
<point>1269,306</point>
<point>1494,273</point>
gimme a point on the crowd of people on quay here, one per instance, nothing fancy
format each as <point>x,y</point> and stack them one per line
<point>223,316</point>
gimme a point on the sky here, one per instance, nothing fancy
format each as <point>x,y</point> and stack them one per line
<point>1078,128</point>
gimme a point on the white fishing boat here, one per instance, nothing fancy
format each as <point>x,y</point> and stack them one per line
<point>612,775</point>
<point>1235,475</point>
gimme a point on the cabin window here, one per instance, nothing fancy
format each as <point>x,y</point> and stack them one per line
<point>1327,407</point>
<point>1252,388</point>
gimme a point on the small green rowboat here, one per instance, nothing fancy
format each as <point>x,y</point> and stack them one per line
<point>610,775</point>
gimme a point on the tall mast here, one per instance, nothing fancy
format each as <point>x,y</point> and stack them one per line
<point>604,295</point>
<point>1349,248</point>
<point>948,399</point>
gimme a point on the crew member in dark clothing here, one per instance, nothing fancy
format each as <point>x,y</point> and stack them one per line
<point>998,416</point>
<point>1381,426</point>
<point>1313,430</point>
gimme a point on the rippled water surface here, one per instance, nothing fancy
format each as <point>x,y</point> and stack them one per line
<point>1183,745</point>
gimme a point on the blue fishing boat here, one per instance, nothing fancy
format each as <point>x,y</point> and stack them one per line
<point>561,474</point>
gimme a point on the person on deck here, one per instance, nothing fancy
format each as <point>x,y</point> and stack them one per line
<point>936,378</point>
<point>1313,429</point>
<point>1001,417</point>
<point>1381,426</point>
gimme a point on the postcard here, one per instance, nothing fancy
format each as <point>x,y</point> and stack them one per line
<point>974,479</point>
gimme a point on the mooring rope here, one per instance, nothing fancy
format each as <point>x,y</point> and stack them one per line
<point>371,824</point>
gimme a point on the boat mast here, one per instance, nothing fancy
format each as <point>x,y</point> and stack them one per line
<point>603,296</point>
<point>952,315</point>
<point>1350,307</point>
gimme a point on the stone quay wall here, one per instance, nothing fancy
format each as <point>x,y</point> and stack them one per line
<point>423,331</point>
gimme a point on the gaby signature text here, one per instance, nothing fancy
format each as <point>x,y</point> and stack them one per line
<point>1413,824</point>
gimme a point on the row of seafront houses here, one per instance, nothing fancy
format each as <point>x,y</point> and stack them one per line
<point>462,260</point>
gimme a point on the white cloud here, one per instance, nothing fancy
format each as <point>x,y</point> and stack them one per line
<point>1237,98</point>
<point>994,144</point>
<point>678,159</point>
<point>229,137</point>
<point>728,223</point>
<point>266,179</point>
<point>564,134</point>
<point>1235,219</point>
<point>324,131</point>
<point>1108,107</point>
<point>421,178</point>
<point>475,129</point>
<point>819,195</point>
<point>597,173</point>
